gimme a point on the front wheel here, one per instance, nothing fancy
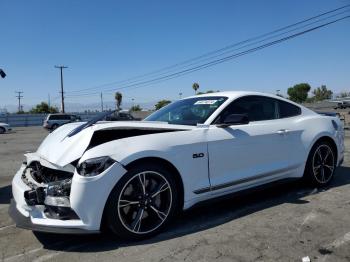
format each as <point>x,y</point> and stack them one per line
<point>321,164</point>
<point>142,202</point>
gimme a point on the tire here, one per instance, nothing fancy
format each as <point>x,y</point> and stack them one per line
<point>2,130</point>
<point>54,126</point>
<point>152,201</point>
<point>321,164</point>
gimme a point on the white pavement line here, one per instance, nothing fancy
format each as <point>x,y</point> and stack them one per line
<point>55,254</point>
<point>16,257</point>
<point>310,216</point>
<point>340,241</point>
<point>5,227</point>
<point>337,243</point>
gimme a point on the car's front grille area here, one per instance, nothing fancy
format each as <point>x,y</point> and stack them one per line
<point>26,181</point>
<point>42,174</point>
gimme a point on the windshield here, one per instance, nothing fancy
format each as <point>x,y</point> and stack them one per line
<point>190,111</point>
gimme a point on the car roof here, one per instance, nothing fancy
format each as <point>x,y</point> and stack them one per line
<point>236,94</point>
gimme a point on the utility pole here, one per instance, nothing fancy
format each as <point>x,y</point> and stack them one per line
<point>62,93</point>
<point>101,102</point>
<point>19,96</point>
<point>49,100</point>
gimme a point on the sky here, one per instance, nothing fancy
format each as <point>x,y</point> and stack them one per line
<point>104,42</point>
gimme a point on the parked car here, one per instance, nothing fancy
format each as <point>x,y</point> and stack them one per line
<point>133,176</point>
<point>53,121</point>
<point>342,105</point>
<point>4,128</point>
<point>120,116</point>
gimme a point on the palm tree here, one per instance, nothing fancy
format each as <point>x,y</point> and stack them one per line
<point>195,87</point>
<point>118,99</point>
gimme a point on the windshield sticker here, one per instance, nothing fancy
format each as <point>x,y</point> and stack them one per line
<point>206,102</point>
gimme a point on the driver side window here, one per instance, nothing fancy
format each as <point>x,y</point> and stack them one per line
<point>257,108</point>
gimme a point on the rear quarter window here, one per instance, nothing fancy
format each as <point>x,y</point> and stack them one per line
<point>288,110</point>
<point>54,117</point>
<point>60,117</point>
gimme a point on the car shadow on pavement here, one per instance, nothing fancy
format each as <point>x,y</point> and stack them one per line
<point>199,218</point>
<point>5,194</point>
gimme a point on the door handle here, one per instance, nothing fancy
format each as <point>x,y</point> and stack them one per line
<point>282,131</point>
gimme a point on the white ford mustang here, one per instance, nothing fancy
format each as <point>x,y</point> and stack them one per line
<point>132,177</point>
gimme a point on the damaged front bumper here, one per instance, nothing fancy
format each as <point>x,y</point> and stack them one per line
<point>26,223</point>
<point>71,205</point>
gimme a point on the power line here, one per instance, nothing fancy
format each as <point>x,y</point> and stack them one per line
<point>62,92</point>
<point>224,59</point>
<point>19,96</point>
<point>55,98</point>
<point>208,59</point>
<point>218,52</point>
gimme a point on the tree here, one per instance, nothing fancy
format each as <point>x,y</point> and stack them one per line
<point>43,108</point>
<point>298,93</point>
<point>118,99</point>
<point>162,103</point>
<point>195,87</point>
<point>322,93</point>
<point>135,108</point>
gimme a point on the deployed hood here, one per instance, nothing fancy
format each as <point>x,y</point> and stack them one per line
<point>61,149</point>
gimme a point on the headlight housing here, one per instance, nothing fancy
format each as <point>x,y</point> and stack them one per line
<point>94,166</point>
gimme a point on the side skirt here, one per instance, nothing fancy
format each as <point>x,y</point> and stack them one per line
<point>245,180</point>
<point>245,192</point>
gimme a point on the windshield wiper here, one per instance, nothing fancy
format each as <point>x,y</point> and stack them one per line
<point>94,120</point>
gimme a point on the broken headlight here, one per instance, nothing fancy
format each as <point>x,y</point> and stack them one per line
<point>94,166</point>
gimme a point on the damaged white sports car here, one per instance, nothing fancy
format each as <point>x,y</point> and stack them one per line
<point>132,177</point>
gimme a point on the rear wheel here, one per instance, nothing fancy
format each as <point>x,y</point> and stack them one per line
<point>142,203</point>
<point>321,164</point>
<point>2,130</point>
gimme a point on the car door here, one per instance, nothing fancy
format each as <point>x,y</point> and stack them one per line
<point>242,155</point>
<point>289,116</point>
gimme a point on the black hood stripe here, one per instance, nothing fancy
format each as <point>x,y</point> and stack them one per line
<point>106,135</point>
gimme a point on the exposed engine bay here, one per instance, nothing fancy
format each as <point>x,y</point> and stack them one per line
<point>50,188</point>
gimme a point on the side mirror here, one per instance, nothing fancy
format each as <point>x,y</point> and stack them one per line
<point>234,119</point>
